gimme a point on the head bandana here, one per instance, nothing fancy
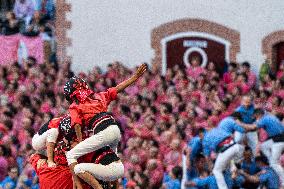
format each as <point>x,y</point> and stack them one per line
<point>77,87</point>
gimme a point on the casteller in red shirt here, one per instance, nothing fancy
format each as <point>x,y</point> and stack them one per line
<point>85,104</point>
<point>95,103</point>
<point>51,177</point>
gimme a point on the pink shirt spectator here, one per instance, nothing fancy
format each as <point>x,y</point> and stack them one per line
<point>156,176</point>
<point>152,84</point>
<point>132,90</point>
<point>245,88</point>
<point>280,74</point>
<point>194,72</point>
<point>172,159</point>
<point>145,133</point>
<point>227,77</point>
<point>3,168</point>
<point>130,166</point>
<point>280,93</point>
<point>251,79</point>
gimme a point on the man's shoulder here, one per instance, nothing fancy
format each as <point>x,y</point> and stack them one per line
<point>228,119</point>
<point>7,183</point>
<point>195,139</point>
<point>239,108</point>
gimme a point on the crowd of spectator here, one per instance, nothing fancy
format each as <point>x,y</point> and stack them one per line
<point>159,116</point>
<point>30,18</point>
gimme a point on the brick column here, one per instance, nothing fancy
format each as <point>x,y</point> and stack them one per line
<point>61,27</point>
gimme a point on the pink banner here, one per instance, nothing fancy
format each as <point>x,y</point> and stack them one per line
<point>9,49</point>
<point>34,47</point>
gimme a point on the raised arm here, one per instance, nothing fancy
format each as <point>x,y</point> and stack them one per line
<point>139,72</point>
<point>78,132</point>
<point>247,127</point>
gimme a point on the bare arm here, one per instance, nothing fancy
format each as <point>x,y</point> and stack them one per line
<point>247,127</point>
<point>49,152</point>
<point>78,132</point>
<point>140,71</point>
<point>77,183</point>
<point>250,178</point>
<point>190,184</point>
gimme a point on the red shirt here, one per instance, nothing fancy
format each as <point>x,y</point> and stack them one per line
<point>54,123</point>
<point>82,113</point>
<point>54,177</point>
<point>57,177</point>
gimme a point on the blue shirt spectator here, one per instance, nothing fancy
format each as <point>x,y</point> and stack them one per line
<point>209,182</point>
<point>195,144</point>
<point>35,186</point>
<point>173,184</point>
<point>248,164</point>
<point>124,182</point>
<point>10,182</point>
<point>246,110</point>
<point>20,163</point>
<point>250,167</point>
<point>212,139</point>
<point>174,179</point>
<point>192,173</point>
<point>239,181</point>
<point>196,168</point>
<point>45,6</point>
<point>229,125</point>
<point>266,177</point>
<point>269,178</point>
<point>166,178</point>
<point>271,124</point>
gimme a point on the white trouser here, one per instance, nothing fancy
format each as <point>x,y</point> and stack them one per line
<point>223,161</point>
<point>109,172</point>
<point>39,141</point>
<point>239,137</point>
<point>273,150</point>
<point>184,175</point>
<point>252,139</point>
<point>108,137</point>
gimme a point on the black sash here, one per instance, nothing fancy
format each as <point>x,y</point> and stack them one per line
<point>278,138</point>
<point>102,125</point>
<point>43,128</point>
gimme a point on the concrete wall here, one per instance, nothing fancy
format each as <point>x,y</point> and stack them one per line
<point>104,31</point>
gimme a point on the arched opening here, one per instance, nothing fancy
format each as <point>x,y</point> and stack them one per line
<point>278,54</point>
<point>180,48</point>
<point>273,49</point>
<point>178,41</point>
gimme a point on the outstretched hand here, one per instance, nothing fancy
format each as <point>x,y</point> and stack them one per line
<point>141,70</point>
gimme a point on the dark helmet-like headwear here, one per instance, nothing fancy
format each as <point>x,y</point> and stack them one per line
<point>76,87</point>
